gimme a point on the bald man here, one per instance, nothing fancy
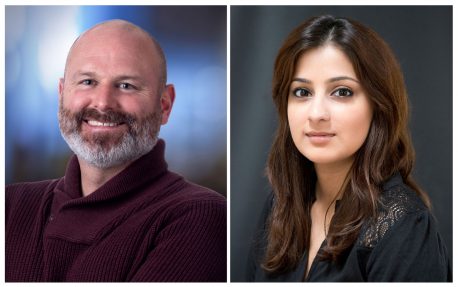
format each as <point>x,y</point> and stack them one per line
<point>118,214</point>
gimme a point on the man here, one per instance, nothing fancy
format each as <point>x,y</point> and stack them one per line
<point>118,214</point>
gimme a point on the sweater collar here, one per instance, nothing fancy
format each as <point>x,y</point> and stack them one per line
<point>143,170</point>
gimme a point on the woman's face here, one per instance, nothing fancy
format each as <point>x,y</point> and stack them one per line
<point>329,113</point>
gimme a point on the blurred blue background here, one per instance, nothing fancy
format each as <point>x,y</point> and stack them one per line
<point>194,41</point>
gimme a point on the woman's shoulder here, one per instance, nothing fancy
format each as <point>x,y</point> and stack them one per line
<point>397,199</point>
<point>402,243</point>
<point>397,202</point>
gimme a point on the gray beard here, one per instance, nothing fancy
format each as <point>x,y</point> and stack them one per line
<point>129,149</point>
<point>141,137</point>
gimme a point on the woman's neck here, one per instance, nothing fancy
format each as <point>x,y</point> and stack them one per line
<point>330,179</point>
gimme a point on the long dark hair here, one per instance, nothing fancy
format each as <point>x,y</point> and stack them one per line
<point>387,149</point>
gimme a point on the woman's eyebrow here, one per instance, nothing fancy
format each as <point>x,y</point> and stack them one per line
<point>334,79</point>
<point>302,80</point>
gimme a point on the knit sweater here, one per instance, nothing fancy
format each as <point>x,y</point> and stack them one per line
<point>144,224</point>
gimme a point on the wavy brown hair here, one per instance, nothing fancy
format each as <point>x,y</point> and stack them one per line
<point>387,149</point>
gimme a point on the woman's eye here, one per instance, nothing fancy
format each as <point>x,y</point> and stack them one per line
<point>301,93</point>
<point>343,92</point>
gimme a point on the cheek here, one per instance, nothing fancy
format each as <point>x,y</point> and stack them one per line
<point>295,120</point>
<point>356,124</point>
<point>139,106</point>
<point>75,100</point>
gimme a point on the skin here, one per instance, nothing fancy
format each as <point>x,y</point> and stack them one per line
<point>113,66</point>
<point>329,115</point>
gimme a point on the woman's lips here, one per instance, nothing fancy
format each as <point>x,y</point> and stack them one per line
<point>319,138</point>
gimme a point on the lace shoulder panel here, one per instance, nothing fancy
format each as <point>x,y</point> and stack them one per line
<point>394,204</point>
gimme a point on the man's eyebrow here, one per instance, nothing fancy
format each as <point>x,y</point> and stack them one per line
<point>331,80</point>
<point>117,78</point>
<point>128,77</point>
<point>84,73</point>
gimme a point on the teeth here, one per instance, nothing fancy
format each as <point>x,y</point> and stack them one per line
<point>100,124</point>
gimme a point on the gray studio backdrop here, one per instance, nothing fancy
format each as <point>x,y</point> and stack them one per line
<point>421,38</point>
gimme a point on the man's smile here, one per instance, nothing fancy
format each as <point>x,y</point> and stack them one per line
<point>101,124</point>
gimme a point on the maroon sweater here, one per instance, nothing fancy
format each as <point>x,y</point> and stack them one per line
<point>145,224</point>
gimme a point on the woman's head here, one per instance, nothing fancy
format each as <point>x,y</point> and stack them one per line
<point>379,78</point>
<point>329,113</point>
<point>333,76</point>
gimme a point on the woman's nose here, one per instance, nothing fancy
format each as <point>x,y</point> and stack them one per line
<point>318,109</point>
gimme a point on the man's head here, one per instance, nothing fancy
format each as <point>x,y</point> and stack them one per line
<point>113,97</point>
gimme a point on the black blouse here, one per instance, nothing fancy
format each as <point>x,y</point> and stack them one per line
<point>402,244</point>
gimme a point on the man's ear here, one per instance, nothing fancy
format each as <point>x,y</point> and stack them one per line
<point>61,89</point>
<point>167,99</point>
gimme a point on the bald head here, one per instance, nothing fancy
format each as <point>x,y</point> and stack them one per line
<point>114,35</point>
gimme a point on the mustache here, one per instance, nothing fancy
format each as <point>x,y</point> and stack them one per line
<point>106,116</point>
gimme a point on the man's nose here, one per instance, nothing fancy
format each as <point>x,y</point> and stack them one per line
<point>318,109</point>
<point>104,97</point>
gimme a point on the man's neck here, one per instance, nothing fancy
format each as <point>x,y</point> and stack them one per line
<point>93,177</point>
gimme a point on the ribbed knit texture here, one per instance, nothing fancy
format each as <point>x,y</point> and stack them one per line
<point>145,224</point>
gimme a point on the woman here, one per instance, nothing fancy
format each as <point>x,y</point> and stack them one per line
<point>344,205</point>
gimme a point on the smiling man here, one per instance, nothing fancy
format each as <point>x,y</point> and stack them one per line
<point>118,214</point>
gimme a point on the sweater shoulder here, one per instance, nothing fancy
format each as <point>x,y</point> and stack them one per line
<point>28,196</point>
<point>193,192</point>
<point>185,198</point>
<point>197,199</point>
<point>29,191</point>
<point>175,197</point>
<point>397,202</point>
<point>186,192</point>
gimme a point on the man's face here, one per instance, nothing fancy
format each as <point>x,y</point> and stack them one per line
<point>110,108</point>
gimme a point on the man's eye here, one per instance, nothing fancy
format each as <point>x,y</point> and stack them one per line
<point>343,92</point>
<point>126,86</point>
<point>87,82</point>
<point>301,93</point>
